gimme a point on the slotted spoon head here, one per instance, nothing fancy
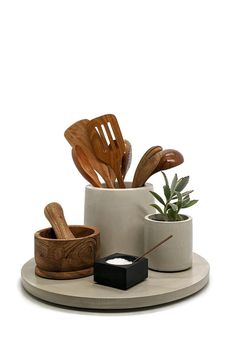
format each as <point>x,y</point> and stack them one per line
<point>108,145</point>
<point>77,134</point>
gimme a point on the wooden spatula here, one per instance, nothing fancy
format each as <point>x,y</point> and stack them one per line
<point>77,134</point>
<point>108,145</point>
<point>54,213</point>
<point>84,167</point>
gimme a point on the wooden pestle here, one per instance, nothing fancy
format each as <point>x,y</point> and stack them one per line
<point>54,213</point>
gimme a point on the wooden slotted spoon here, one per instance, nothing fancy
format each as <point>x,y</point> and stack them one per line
<point>108,145</point>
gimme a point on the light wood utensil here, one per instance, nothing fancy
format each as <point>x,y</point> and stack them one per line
<point>108,145</point>
<point>146,166</point>
<point>54,213</point>
<point>77,134</point>
<point>84,167</point>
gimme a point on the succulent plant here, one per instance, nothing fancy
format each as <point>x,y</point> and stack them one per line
<point>175,199</point>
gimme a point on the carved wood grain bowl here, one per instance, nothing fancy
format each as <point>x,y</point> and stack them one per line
<point>66,259</point>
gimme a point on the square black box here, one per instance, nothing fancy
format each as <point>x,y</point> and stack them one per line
<point>120,276</point>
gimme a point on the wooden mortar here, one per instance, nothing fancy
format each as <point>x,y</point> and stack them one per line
<point>66,258</point>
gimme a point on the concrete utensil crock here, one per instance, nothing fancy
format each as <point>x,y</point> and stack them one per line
<point>174,255</point>
<point>119,215</point>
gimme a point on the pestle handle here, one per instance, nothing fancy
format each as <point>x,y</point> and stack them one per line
<point>54,213</point>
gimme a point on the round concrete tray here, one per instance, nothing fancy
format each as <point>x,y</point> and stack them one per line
<point>158,288</point>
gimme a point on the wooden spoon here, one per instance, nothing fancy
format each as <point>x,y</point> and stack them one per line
<point>171,158</point>
<point>108,145</point>
<point>78,134</point>
<point>155,162</point>
<point>126,162</point>
<point>54,213</point>
<point>84,167</point>
<point>127,158</point>
<point>146,166</point>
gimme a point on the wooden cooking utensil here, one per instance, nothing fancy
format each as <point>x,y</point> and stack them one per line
<point>97,143</point>
<point>109,133</point>
<point>54,213</point>
<point>170,158</point>
<point>126,162</point>
<point>127,157</point>
<point>146,166</point>
<point>78,134</point>
<point>85,168</point>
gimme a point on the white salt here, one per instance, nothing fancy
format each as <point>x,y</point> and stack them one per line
<point>119,261</point>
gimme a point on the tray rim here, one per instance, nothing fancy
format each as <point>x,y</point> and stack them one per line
<point>130,301</point>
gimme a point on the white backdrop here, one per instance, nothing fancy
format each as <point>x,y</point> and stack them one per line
<point>166,70</point>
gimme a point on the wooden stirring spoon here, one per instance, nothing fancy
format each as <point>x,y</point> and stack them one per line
<point>77,134</point>
<point>54,213</point>
<point>84,167</point>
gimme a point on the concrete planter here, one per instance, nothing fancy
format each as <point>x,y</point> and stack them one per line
<point>119,215</point>
<point>176,253</point>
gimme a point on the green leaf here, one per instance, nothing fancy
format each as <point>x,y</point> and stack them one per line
<point>190,203</point>
<point>157,208</point>
<point>167,191</point>
<point>173,184</point>
<point>174,207</point>
<point>172,215</point>
<point>166,180</point>
<point>187,193</point>
<point>179,217</point>
<point>181,184</point>
<point>156,196</point>
<point>180,200</point>
<point>185,202</point>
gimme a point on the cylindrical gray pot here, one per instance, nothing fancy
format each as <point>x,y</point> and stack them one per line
<point>119,215</point>
<point>176,253</point>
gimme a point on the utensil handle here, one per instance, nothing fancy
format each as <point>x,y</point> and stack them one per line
<point>120,179</point>
<point>54,213</point>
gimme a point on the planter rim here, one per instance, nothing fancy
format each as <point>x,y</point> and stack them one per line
<point>111,190</point>
<point>147,218</point>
